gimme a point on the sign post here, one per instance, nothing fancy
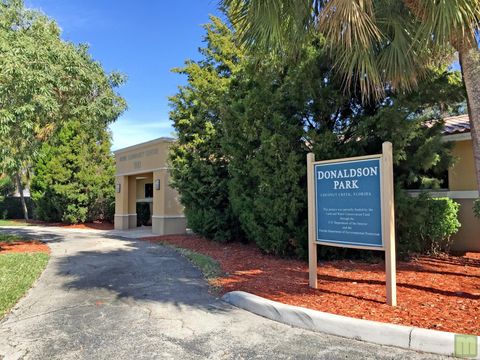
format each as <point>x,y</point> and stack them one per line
<point>350,204</point>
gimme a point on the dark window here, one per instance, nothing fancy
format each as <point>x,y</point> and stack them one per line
<point>148,191</point>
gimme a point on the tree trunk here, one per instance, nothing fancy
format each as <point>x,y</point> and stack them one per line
<point>470,63</point>
<point>22,198</point>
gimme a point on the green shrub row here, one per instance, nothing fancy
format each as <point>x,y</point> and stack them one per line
<point>11,207</point>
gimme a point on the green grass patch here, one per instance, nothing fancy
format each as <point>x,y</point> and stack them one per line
<point>17,274</point>
<point>209,267</point>
<point>9,238</point>
<point>13,223</point>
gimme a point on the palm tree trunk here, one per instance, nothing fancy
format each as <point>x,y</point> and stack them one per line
<point>22,198</point>
<point>470,63</point>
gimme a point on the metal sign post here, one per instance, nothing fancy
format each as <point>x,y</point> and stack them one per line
<point>350,204</point>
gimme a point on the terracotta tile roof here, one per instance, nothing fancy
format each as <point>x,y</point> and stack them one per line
<point>456,125</point>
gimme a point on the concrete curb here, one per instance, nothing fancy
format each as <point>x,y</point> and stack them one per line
<point>411,338</point>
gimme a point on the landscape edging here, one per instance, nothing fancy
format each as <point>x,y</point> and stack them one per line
<point>406,337</point>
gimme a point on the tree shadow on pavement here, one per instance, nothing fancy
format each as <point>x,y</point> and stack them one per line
<point>138,271</point>
<point>123,270</point>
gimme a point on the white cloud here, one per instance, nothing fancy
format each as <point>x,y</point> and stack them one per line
<point>128,132</point>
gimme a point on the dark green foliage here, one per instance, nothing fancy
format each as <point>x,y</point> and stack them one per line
<point>143,214</point>
<point>11,207</point>
<point>425,225</point>
<point>74,176</point>
<point>244,135</point>
<point>441,223</point>
<point>45,83</point>
<point>199,166</point>
<point>6,186</point>
<point>264,140</point>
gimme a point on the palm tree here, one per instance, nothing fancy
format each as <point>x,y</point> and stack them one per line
<point>375,44</point>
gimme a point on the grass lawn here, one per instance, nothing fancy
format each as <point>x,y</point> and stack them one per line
<point>9,238</point>
<point>18,271</point>
<point>13,223</point>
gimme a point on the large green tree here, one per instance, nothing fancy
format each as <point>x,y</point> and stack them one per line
<point>245,124</point>
<point>275,113</point>
<point>198,163</point>
<point>376,44</point>
<point>44,82</point>
<point>74,176</point>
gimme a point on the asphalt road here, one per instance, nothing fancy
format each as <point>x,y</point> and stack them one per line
<point>107,297</point>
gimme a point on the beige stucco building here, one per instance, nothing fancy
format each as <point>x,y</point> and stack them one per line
<point>142,176</point>
<point>462,183</point>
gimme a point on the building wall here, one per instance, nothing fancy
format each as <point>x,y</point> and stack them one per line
<point>149,156</point>
<point>150,160</point>
<point>141,186</point>
<point>461,176</point>
<point>468,237</point>
<point>463,189</point>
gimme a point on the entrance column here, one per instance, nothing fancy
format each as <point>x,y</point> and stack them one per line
<point>159,191</point>
<point>132,202</point>
<point>167,215</point>
<point>121,203</point>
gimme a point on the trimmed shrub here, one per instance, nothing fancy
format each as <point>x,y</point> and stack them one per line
<point>425,225</point>
<point>441,223</point>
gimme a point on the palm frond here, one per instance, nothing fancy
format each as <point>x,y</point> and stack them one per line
<point>447,21</point>
<point>270,23</point>
<point>349,23</point>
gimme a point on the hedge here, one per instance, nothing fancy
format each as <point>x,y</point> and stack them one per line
<point>11,207</point>
<point>425,225</point>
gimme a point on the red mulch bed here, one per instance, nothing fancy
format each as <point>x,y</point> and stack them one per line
<point>24,247</point>
<point>96,225</point>
<point>440,293</point>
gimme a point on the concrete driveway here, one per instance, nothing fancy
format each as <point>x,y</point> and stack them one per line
<point>107,297</point>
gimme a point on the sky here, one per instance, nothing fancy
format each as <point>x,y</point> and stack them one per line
<point>143,39</point>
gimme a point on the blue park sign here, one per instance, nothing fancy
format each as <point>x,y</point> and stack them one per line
<point>348,203</point>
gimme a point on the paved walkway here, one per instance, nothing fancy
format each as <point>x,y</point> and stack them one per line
<point>106,297</point>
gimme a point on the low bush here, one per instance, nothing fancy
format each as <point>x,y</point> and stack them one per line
<point>424,224</point>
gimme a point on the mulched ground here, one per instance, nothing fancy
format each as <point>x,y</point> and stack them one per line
<point>97,225</point>
<point>440,293</point>
<point>24,247</point>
